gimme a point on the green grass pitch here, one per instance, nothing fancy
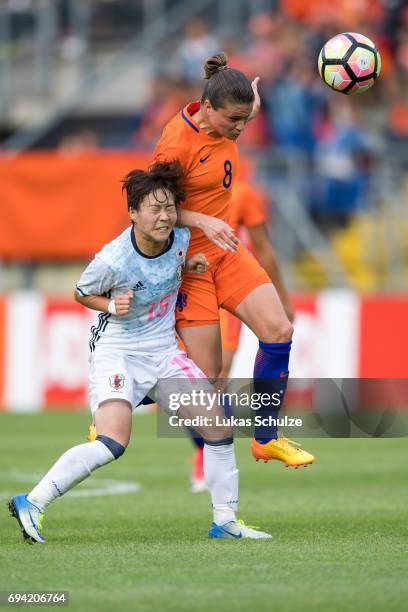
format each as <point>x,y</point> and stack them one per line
<point>340,527</point>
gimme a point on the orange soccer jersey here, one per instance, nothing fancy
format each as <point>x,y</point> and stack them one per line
<point>211,166</point>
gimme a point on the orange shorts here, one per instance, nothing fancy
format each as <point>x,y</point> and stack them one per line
<point>227,281</point>
<point>230,330</point>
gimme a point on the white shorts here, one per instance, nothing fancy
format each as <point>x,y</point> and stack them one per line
<point>116,375</point>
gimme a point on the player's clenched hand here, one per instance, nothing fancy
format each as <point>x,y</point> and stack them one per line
<point>123,303</point>
<point>257,101</point>
<point>196,264</point>
<point>219,232</point>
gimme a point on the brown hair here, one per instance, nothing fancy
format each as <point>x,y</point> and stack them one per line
<point>225,84</point>
<point>168,176</point>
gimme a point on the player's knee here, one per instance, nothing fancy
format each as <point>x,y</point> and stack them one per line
<point>285,332</point>
<point>115,448</point>
<point>281,331</point>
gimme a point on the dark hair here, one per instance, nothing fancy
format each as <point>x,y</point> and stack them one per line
<point>168,176</point>
<point>225,84</point>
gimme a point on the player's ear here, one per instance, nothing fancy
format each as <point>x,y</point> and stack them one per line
<point>133,214</point>
<point>207,105</point>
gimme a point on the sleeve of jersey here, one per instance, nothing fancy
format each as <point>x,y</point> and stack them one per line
<point>253,208</point>
<point>97,279</point>
<point>185,233</point>
<point>171,147</point>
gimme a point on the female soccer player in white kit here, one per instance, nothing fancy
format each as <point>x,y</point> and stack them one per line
<point>134,282</point>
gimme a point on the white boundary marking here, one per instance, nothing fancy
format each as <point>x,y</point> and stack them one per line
<point>91,488</point>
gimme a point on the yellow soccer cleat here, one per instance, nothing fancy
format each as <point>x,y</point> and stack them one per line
<point>91,437</point>
<point>281,449</point>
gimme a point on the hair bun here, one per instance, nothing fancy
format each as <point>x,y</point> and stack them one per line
<point>214,64</point>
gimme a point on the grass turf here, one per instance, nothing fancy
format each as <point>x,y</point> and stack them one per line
<point>340,527</point>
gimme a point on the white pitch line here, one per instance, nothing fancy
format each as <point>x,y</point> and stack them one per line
<point>92,488</point>
<point>112,487</point>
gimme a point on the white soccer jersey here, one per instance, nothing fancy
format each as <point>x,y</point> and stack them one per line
<point>155,281</point>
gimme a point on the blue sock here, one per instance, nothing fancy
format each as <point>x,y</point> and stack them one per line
<point>226,404</point>
<point>270,376</point>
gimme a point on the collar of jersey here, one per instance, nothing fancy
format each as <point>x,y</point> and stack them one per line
<point>186,113</point>
<point>132,237</point>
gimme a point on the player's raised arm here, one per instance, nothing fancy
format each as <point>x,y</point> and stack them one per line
<point>257,101</point>
<point>216,230</point>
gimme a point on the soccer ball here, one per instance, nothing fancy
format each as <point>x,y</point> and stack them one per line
<point>349,63</point>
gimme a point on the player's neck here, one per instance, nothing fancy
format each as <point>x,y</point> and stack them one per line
<point>203,124</point>
<point>148,247</point>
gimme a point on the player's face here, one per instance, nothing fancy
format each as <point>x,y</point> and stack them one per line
<point>156,217</point>
<point>230,120</point>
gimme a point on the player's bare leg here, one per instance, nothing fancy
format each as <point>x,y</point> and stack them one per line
<point>114,419</point>
<point>227,358</point>
<point>92,432</point>
<point>263,313</point>
<point>113,422</point>
<point>203,346</point>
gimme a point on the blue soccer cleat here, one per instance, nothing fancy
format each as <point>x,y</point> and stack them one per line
<point>236,530</point>
<point>29,517</point>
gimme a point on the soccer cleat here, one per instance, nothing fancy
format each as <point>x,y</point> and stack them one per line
<point>236,530</point>
<point>281,449</point>
<point>91,437</point>
<point>197,481</point>
<point>29,517</point>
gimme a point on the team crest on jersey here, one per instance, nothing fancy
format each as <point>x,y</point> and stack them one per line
<point>117,381</point>
<point>181,301</point>
<point>179,272</point>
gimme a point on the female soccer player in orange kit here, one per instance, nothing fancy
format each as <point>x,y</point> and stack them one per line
<point>203,138</point>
